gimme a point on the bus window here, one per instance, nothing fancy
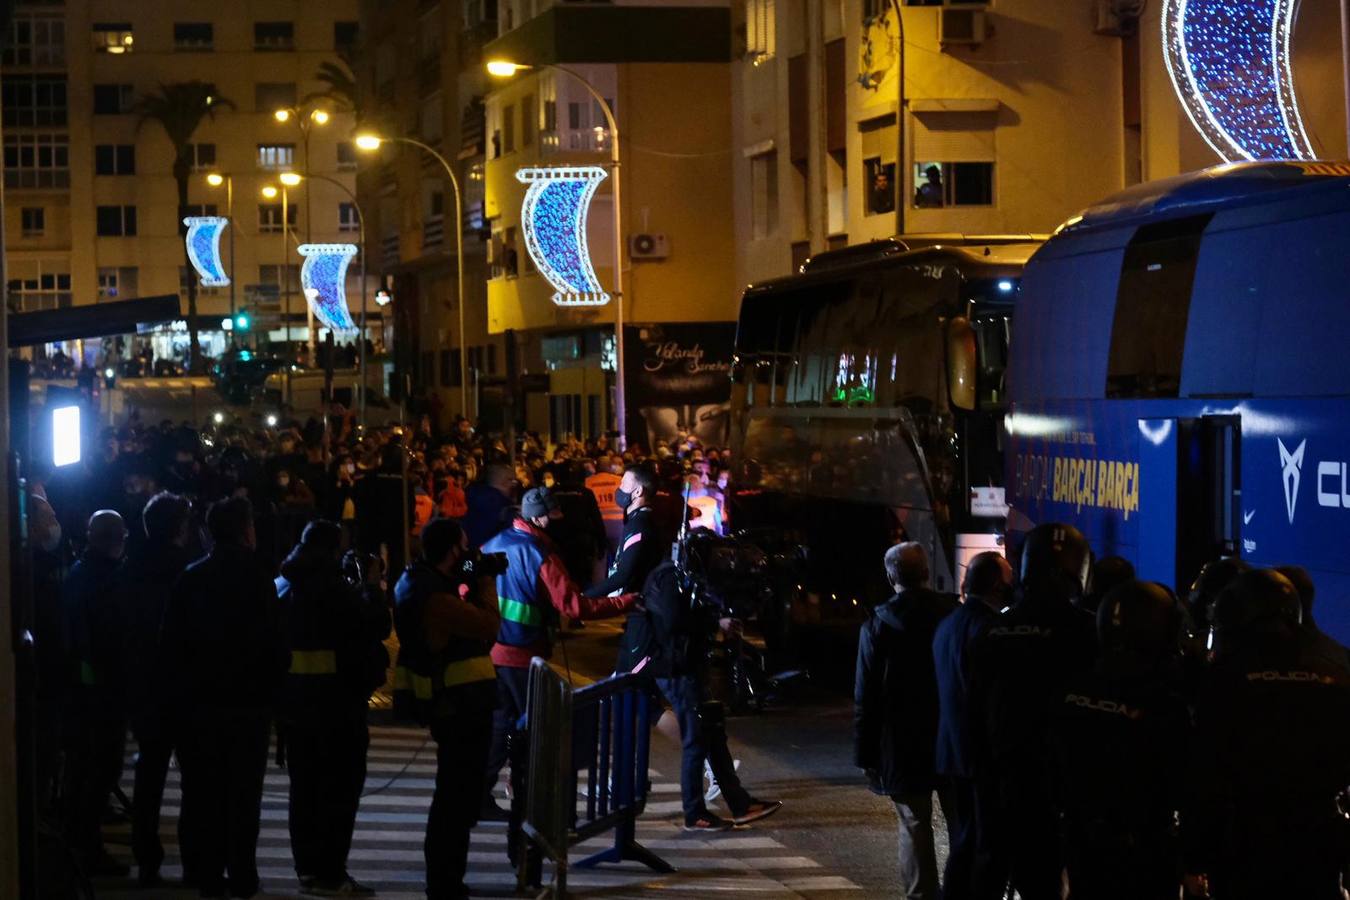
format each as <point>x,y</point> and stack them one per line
<point>1152,308</point>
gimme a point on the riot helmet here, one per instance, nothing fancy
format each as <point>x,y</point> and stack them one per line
<point>1108,573</point>
<point>1056,557</point>
<point>1139,617</point>
<point>1257,603</point>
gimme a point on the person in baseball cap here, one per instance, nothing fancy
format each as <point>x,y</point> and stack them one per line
<point>538,506</point>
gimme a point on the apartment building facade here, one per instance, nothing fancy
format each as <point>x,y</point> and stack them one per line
<point>1016,114</point>
<point>92,209</point>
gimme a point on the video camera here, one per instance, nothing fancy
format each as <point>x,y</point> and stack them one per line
<point>725,575</point>
<point>356,564</point>
<point>482,565</point>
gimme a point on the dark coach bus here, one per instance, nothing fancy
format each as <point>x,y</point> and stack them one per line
<point>1180,382</point>
<point>867,393</point>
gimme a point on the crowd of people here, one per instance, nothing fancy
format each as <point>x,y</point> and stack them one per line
<point>223,590</point>
<point>1082,729</point>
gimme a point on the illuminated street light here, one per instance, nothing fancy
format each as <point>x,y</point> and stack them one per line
<point>271,420</point>
<point>320,116</point>
<point>219,418</point>
<point>269,191</point>
<point>368,142</point>
<point>504,68</point>
<point>215,179</point>
<point>282,115</point>
<point>290,179</point>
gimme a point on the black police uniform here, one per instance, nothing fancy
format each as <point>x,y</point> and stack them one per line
<point>1021,664</point>
<point>1271,756</point>
<point>1119,733</point>
<point>453,690</point>
<point>335,631</point>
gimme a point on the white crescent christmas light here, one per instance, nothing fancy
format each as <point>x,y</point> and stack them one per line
<point>323,278</point>
<point>554,214</point>
<point>203,248</point>
<point>1231,66</point>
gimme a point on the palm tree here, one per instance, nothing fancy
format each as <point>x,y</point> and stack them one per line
<point>339,85</point>
<point>179,109</point>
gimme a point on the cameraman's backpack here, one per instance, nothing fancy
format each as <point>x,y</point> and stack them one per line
<point>651,631</point>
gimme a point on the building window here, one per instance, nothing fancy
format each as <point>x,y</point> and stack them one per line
<point>116,221</point>
<point>509,129</point>
<point>529,116</point>
<point>346,156</point>
<point>193,36</point>
<point>115,283</point>
<point>36,40</point>
<point>269,217</point>
<point>269,96</point>
<point>271,275</point>
<point>344,37</point>
<point>113,99</point>
<point>879,182</point>
<point>273,36</point>
<point>202,157</point>
<point>348,220</point>
<point>113,37</point>
<point>942,184</point>
<point>276,156</point>
<point>195,209</point>
<point>760,30</point>
<point>764,194</point>
<point>34,289</point>
<point>34,100</point>
<point>37,161</point>
<point>115,159</point>
<point>34,221</point>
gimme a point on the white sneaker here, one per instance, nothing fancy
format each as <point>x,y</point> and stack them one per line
<point>713,790</point>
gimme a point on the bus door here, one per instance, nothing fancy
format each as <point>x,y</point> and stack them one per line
<point>1190,496</point>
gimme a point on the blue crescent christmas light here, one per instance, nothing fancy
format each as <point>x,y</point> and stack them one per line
<point>323,278</point>
<point>203,248</point>
<point>554,215</point>
<point>1231,66</point>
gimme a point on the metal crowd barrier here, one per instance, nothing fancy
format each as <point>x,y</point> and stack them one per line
<point>604,731</point>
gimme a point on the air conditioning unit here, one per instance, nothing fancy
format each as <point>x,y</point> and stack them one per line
<point>967,27</point>
<point>1118,18</point>
<point>648,246</point>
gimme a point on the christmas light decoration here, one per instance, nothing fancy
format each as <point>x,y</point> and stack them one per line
<point>203,248</point>
<point>554,214</point>
<point>323,278</point>
<point>1231,66</point>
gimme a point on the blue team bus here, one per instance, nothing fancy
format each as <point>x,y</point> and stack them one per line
<point>1180,381</point>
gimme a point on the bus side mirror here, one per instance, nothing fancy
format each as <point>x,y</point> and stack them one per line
<point>961,363</point>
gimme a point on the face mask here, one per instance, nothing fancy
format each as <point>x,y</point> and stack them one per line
<point>623,498</point>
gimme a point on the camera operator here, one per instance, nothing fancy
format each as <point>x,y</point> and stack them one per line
<point>669,640</point>
<point>336,619</point>
<point>445,612</point>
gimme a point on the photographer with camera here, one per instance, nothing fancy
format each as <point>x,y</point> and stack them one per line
<point>336,618</point>
<point>445,611</point>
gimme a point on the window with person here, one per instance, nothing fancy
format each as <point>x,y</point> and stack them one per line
<point>879,178</point>
<point>942,184</point>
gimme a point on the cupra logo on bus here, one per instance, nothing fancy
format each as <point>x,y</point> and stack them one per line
<point>1292,464</point>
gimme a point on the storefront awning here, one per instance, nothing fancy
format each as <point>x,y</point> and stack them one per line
<point>91,321</point>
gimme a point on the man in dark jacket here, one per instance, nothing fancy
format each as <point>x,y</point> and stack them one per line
<point>335,629</point>
<point>95,710</point>
<point>224,657</point>
<point>642,547</point>
<point>1319,643</point>
<point>985,589</point>
<point>489,502</point>
<point>896,711</point>
<point>143,587</point>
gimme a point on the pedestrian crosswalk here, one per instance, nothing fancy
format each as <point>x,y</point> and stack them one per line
<point>387,847</point>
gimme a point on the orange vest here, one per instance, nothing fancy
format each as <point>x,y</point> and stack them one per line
<point>603,485</point>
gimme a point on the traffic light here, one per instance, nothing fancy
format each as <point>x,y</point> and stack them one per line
<point>242,321</point>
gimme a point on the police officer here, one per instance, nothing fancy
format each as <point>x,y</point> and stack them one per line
<point>335,625</point>
<point>1271,757</point>
<point>446,620</point>
<point>1118,732</point>
<point>533,593</point>
<point>1021,664</point>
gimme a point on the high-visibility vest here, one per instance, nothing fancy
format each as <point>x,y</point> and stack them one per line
<point>428,684</point>
<point>603,485</point>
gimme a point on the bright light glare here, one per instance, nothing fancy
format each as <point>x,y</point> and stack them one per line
<point>1005,286</point>
<point>320,116</point>
<point>282,115</point>
<point>269,191</point>
<point>368,142</point>
<point>65,435</point>
<point>290,179</point>
<point>218,418</point>
<point>215,179</point>
<point>109,372</point>
<point>503,68</point>
<point>227,324</point>
<point>271,420</point>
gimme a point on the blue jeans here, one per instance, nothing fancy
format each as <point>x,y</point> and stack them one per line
<point>703,736</point>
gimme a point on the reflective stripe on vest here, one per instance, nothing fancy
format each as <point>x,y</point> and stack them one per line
<point>464,671</point>
<point>524,613</point>
<point>313,662</point>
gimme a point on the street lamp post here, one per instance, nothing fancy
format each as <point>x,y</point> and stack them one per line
<point>216,179</point>
<point>505,69</point>
<point>306,118</point>
<point>370,142</point>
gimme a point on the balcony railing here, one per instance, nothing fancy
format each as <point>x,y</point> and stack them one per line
<point>433,232</point>
<point>389,250</point>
